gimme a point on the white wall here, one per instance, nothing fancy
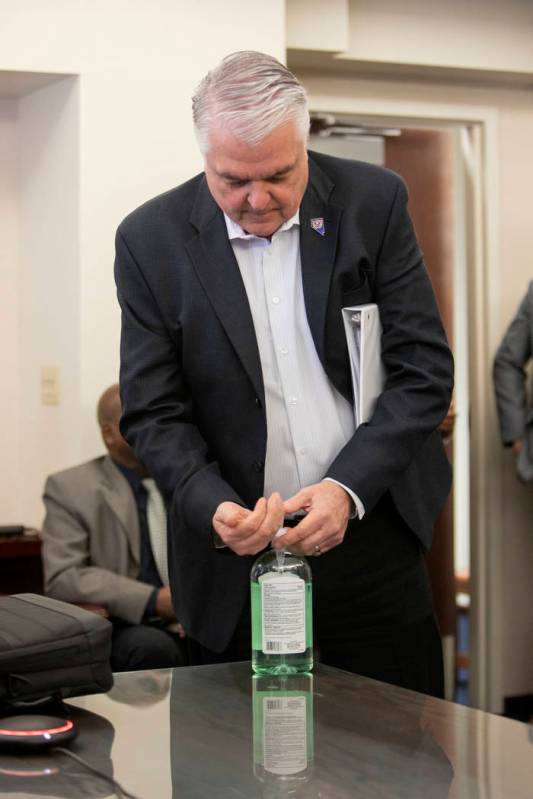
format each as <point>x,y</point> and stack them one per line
<point>475,35</point>
<point>478,34</point>
<point>9,300</point>
<point>49,279</point>
<point>123,126</point>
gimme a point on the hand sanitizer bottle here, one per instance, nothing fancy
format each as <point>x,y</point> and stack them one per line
<point>282,620</point>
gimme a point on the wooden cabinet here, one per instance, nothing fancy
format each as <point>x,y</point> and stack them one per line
<point>20,565</point>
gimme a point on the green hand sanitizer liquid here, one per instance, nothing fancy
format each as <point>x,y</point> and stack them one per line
<point>282,620</point>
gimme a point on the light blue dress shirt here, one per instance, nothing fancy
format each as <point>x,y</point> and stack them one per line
<point>308,420</point>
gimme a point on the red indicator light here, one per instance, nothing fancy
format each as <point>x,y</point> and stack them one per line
<point>68,725</point>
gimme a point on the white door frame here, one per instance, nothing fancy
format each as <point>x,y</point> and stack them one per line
<point>483,303</point>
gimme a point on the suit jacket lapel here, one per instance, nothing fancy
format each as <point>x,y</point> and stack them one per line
<point>218,271</point>
<point>119,498</point>
<point>215,264</point>
<point>317,252</point>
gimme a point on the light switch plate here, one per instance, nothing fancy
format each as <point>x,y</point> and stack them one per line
<point>50,393</point>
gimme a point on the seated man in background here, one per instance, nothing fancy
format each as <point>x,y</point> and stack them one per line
<point>104,542</point>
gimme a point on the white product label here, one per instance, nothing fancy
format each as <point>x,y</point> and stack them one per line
<point>283,602</point>
<point>284,734</point>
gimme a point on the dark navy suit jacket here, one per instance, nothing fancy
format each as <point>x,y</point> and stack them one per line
<point>191,382</point>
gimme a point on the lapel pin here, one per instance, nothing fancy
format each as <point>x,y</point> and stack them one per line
<point>318,225</point>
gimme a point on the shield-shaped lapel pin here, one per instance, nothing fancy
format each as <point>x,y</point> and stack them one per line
<point>318,225</point>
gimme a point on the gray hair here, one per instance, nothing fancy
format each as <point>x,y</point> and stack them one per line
<point>249,94</point>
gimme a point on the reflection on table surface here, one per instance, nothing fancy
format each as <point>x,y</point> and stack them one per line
<point>216,731</point>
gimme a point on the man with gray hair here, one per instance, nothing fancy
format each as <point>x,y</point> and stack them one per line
<point>236,386</point>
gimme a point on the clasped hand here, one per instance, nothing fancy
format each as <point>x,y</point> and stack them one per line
<point>247,532</point>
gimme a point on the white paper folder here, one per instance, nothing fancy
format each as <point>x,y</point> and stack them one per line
<point>363,336</point>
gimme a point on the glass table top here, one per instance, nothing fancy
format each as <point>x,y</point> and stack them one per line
<point>219,732</point>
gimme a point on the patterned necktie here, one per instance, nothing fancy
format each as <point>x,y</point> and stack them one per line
<point>157,527</point>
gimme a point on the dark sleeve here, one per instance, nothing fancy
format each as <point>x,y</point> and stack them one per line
<point>157,410</point>
<point>150,610</point>
<point>509,374</point>
<point>418,363</point>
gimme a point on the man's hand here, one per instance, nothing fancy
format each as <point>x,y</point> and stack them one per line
<point>518,446</point>
<point>447,425</point>
<point>177,628</point>
<point>163,604</point>
<point>328,509</point>
<point>246,531</point>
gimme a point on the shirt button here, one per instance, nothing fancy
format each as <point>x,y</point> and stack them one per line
<point>284,351</point>
<point>303,451</point>
<point>293,400</point>
<point>275,300</point>
<point>258,466</point>
<point>257,401</point>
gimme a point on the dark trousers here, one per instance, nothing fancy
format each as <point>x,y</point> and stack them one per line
<point>144,646</point>
<point>372,608</point>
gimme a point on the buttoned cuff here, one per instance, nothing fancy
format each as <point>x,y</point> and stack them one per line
<point>358,509</point>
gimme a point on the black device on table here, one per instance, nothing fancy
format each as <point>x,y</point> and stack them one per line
<point>49,651</point>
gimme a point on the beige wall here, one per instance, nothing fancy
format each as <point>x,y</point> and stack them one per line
<point>9,304</point>
<point>48,204</point>
<point>475,35</point>
<point>478,34</point>
<point>86,151</point>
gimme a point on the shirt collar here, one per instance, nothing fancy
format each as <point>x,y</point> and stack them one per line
<point>235,231</point>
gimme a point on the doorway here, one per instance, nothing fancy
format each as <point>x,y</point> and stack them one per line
<point>436,161</point>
